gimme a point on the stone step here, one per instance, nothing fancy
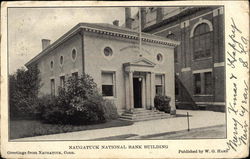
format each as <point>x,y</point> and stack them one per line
<point>146,118</point>
<point>148,114</point>
<point>142,111</point>
<point>133,117</point>
<point>142,114</point>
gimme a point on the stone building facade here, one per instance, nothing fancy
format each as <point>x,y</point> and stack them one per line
<point>199,59</point>
<point>110,54</point>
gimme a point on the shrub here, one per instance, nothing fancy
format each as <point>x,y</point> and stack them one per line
<point>86,111</point>
<point>162,103</point>
<point>51,111</point>
<point>79,103</point>
<point>110,110</point>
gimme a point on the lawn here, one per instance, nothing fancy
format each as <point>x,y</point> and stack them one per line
<point>29,128</point>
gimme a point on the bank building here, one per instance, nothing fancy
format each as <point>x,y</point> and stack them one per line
<point>129,67</point>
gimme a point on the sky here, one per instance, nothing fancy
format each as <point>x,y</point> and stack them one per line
<point>28,26</point>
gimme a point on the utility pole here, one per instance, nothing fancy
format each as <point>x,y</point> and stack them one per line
<point>140,42</point>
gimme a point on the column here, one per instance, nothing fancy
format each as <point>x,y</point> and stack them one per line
<point>131,90</point>
<point>148,92</point>
<point>152,89</point>
<point>143,93</point>
<point>127,106</point>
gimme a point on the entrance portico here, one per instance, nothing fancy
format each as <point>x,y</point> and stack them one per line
<point>139,84</point>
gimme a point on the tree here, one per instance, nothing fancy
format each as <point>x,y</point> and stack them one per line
<point>23,91</point>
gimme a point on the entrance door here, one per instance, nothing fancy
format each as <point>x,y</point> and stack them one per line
<point>137,93</point>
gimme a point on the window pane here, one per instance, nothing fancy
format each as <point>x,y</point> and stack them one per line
<point>107,90</point>
<point>107,78</point>
<point>202,42</point>
<point>197,30</point>
<point>75,75</point>
<point>52,85</point>
<point>207,41</point>
<point>158,80</point>
<point>175,55</point>
<point>197,54</point>
<point>62,81</point>
<point>61,60</point>
<point>208,82</point>
<point>197,83</point>
<point>207,52</point>
<point>176,88</point>
<point>206,28</point>
<point>158,90</point>
<point>108,51</point>
<point>73,54</point>
<point>202,28</point>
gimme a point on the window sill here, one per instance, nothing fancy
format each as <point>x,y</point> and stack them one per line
<point>201,59</point>
<point>109,97</point>
<point>203,95</point>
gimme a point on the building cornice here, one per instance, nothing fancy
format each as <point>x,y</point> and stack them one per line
<point>168,20</point>
<point>145,37</point>
<point>94,28</point>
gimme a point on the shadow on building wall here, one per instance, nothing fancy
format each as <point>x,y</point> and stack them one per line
<point>184,98</point>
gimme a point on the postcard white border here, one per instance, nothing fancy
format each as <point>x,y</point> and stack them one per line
<point>237,9</point>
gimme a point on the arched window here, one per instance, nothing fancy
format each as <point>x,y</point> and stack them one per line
<point>173,37</point>
<point>201,38</point>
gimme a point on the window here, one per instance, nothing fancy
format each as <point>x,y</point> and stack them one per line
<point>52,86</point>
<point>202,41</point>
<point>176,88</point>
<point>203,83</point>
<point>197,83</point>
<point>61,60</point>
<point>108,51</point>
<point>175,55</point>
<point>62,81</point>
<point>173,37</point>
<point>208,82</point>
<point>152,9</point>
<point>75,75</point>
<point>73,54</point>
<point>108,84</point>
<point>159,57</point>
<point>51,64</point>
<point>159,84</point>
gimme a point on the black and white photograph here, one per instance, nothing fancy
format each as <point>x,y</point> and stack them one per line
<point>121,73</point>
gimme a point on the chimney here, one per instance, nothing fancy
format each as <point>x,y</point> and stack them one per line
<point>45,43</point>
<point>128,19</point>
<point>143,18</point>
<point>116,22</point>
<point>159,15</point>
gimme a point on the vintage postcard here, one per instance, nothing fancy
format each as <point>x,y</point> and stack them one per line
<point>125,79</point>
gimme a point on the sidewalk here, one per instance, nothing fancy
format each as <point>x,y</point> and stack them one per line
<point>198,119</point>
